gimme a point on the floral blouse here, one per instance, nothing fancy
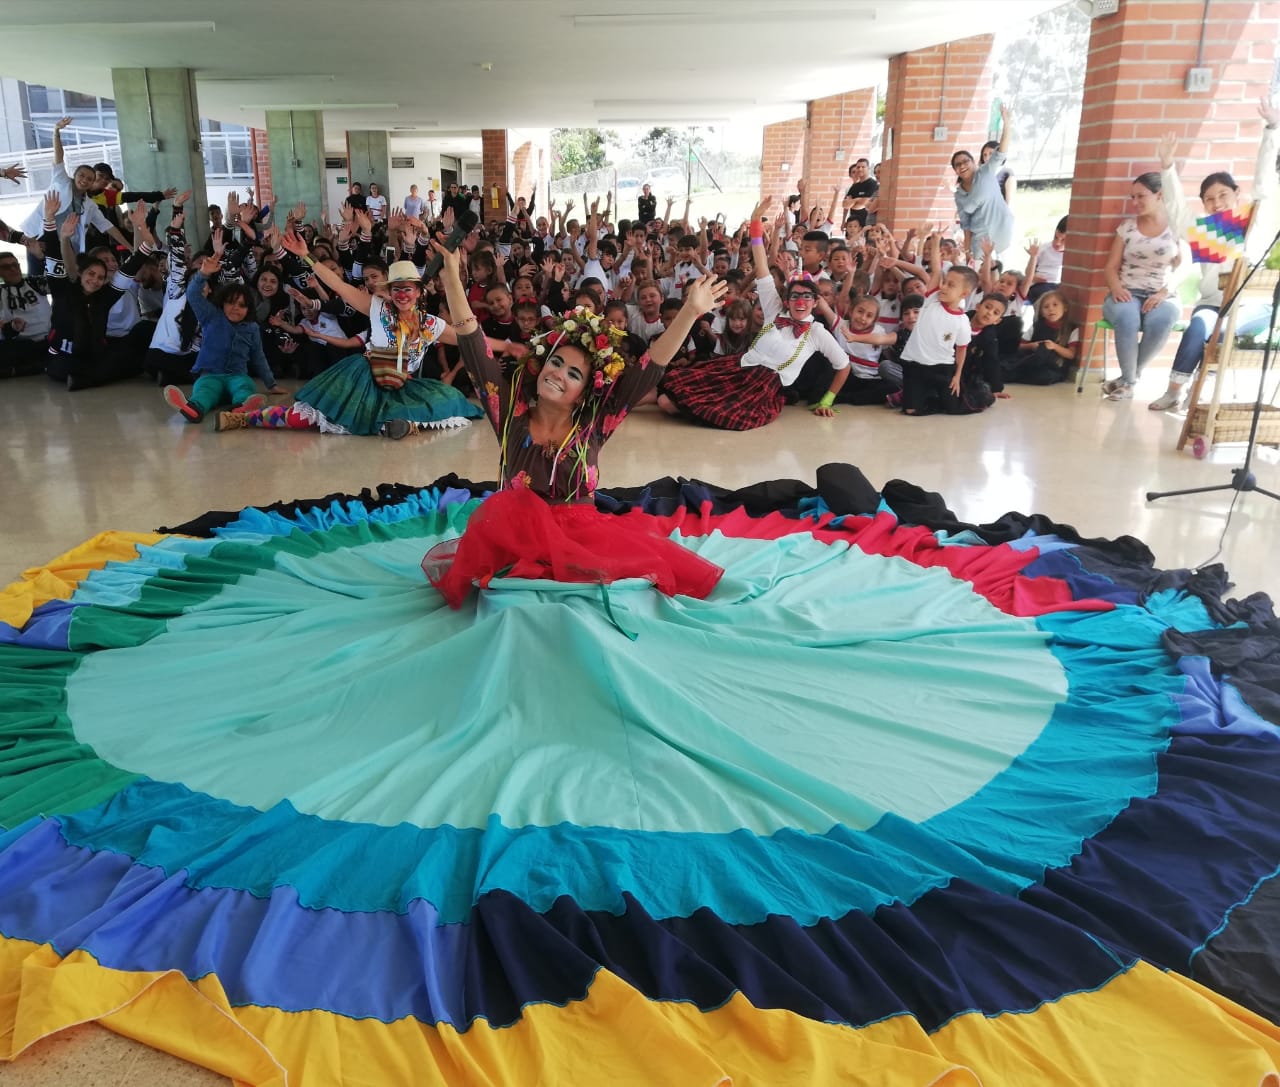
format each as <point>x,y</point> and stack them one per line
<point>566,474</point>
<point>1146,262</point>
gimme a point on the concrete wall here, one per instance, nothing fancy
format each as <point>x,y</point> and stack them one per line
<point>161,104</point>
<point>297,136</point>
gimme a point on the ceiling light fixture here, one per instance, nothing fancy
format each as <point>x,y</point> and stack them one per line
<point>140,26</point>
<point>204,77</point>
<point>320,105</point>
<point>770,17</point>
<point>658,104</point>
<point>700,120</point>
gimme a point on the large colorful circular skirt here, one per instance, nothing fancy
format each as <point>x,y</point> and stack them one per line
<point>902,802</point>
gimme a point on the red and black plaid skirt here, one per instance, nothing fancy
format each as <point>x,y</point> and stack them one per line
<point>723,394</point>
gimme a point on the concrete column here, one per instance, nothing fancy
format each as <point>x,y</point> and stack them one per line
<point>946,86</point>
<point>158,118</point>
<point>493,152</point>
<point>838,132</point>
<point>369,159</point>
<point>1134,92</point>
<point>782,159</point>
<point>296,141</point>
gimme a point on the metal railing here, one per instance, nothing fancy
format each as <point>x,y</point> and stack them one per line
<point>40,168</point>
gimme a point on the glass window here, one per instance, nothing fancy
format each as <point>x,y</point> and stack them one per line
<point>44,99</point>
<point>210,126</point>
<point>241,161</point>
<point>216,160</point>
<point>76,100</point>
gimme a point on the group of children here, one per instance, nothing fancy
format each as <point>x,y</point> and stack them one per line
<point>916,327</point>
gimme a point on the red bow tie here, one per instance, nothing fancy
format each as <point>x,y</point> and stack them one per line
<point>798,328</point>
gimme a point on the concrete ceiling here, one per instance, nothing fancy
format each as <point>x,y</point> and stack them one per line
<point>424,65</point>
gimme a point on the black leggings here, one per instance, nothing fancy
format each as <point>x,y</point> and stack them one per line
<point>22,358</point>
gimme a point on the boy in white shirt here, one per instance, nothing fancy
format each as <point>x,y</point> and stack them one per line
<point>934,356</point>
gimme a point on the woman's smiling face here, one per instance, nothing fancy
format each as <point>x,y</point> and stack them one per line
<point>563,377</point>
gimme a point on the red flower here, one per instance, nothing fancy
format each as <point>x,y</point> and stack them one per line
<point>602,341</point>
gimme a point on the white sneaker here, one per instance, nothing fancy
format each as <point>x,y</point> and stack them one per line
<point>1121,392</point>
<point>1167,402</point>
<point>1111,386</point>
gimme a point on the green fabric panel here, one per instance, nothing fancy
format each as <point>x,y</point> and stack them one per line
<point>44,770</point>
<point>339,680</point>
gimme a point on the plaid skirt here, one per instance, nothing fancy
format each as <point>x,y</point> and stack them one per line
<point>723,394</point>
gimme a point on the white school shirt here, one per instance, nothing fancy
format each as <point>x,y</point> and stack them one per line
<point>377,207</point>
<point>594,269</point>
<point>638,326</point>
<point>938,332</point>
<point>684,272</point>
<point>1049,265</point>
<point>864,357</point>
<point>90,213</point>
<point>890,312</point>
<point>779,349</point>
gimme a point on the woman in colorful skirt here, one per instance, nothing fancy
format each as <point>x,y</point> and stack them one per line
<point>379,391</point>
<point>566,397</point>
<point>742,392</point>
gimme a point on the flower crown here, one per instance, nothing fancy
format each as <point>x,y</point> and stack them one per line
<point>588,330</point>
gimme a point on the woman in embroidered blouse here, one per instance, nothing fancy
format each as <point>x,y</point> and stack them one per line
<point>377,392</point>
<point>1143,255</point>
<point>566,397</point>
<point>742,392</point>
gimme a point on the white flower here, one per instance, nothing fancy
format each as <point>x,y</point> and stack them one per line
<point>541,349</point>
<point>570,325</point>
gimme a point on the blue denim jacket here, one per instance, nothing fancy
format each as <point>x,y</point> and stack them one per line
<point>226,348</point>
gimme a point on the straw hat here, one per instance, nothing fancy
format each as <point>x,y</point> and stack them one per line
<point>403,271</point>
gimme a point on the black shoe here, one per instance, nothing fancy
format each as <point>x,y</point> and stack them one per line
<point>396,429</point>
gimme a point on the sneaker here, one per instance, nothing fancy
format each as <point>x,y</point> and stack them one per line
<point>1167,402</point>
<point>256,402</point>
<point>894,400</point>
<point>230,420</point>
<point>396,429</point>
<point>1121,392</point>
<point>1111,386</point>
<point>177,399</point>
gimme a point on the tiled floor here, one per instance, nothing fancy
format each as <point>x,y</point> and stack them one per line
<point>72,465</point>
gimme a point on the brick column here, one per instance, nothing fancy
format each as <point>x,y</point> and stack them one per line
<point>838,132</point>
<point>945,86</point>
<point>260,148</point>
<point>1133,94</point>
<point>783,143</point>
<point>493,153</point>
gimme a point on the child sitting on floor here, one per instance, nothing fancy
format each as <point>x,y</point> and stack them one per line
<point>864,339</point>
<point>933,360</point>
<point>891,356</point>
<point>1052,350</point>
<point>230,347</point>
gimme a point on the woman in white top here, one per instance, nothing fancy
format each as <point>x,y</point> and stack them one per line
<point>376,203</point>
<point>1139,307</point>
<point>1218,192</point>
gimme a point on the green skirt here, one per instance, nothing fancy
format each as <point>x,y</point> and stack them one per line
<point>345,399</point>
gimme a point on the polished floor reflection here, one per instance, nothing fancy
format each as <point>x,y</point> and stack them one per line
<point>76,464</point>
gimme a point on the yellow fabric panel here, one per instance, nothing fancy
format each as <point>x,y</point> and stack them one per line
<point>1145,1028</point>
<point>57,580</point>
<point>41,994</point>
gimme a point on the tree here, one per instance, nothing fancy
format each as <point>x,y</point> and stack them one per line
<point>664,145</point>
<point>1041,74</point>
<point>578,150</point>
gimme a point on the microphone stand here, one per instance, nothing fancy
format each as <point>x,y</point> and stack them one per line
<point>1242,478</point>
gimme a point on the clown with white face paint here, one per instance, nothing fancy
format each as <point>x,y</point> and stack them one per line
<point>745,392</point>
<point>570,390</point>
<point>1218,192</point>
